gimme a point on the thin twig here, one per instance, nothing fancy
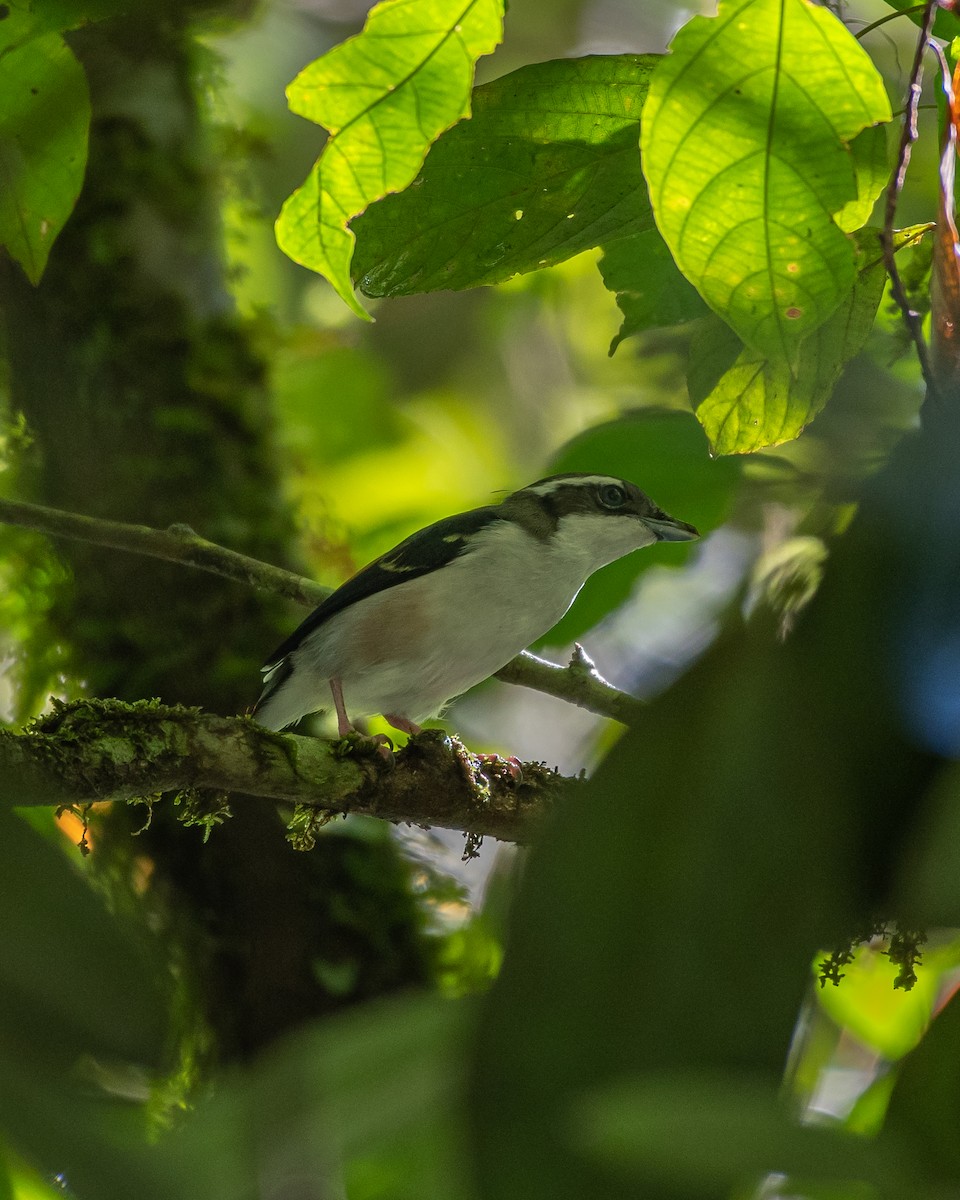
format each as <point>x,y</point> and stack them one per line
<point>578,683</point>
<point>903,12</point>
<point>908,135</point>
<point>179,544</point>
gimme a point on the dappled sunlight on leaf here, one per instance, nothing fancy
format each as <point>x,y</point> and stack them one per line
<point>747,401</point>
<point>746,136</point>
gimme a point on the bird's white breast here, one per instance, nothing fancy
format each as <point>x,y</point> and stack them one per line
<point>410,649</point>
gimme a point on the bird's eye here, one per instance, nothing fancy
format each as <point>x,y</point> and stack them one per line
<point>612,496</point>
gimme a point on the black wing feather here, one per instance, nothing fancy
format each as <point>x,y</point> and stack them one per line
<point>418,555</point>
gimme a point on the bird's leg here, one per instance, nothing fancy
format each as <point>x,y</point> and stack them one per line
<point>384,745</point>
<point>402,723</point>
<point>343,721</point>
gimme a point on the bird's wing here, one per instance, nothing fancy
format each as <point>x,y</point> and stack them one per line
<point>419,554</point>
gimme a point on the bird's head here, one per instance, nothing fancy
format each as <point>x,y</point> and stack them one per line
<point>597,517</point>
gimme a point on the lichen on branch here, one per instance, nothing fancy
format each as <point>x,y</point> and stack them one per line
<point>95,750</point>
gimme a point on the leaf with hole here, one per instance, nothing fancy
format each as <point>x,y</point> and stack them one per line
<point>547,166</point>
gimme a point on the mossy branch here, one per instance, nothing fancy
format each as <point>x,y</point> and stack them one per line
<point>94,750</point>
<point>579,683</point>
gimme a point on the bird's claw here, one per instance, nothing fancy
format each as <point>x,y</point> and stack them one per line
<point>378,743</point>
<point>385,748</point>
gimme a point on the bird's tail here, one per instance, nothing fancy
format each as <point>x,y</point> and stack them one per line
<point>277,707</point>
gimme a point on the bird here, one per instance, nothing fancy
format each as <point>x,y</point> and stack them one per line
<point>456,601</point>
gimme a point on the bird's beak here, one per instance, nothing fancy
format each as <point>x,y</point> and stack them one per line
<point>669,529</point>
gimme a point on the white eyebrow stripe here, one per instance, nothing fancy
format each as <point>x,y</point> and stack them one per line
<point>576,481</point>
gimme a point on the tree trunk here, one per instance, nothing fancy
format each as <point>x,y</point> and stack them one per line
<point>147,403</point>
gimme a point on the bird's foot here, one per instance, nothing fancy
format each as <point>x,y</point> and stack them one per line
<point>354,742</point>
<point>384,747</point>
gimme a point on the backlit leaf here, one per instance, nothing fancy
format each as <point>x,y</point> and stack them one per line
<point>746,400</point>
<point>746,148</point>
<point>869,151</point>
<point>384,96</point>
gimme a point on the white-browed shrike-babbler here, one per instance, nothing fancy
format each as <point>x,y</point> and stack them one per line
<point>455,602</point>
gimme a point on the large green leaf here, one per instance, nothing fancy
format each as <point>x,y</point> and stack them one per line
<point>547,166</point>
<point>746,148</point>
<point>746,400</point>
<point>650,290</point>
<point>44,122</point>
<point>384,96</point>
<point>69,971</point>
<point>925,1105</point>
<point>652,293</point>
<point>80,994</point>
<point>668,916</point>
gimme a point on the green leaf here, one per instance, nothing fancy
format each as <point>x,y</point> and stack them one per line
<point>547,166</point>
<point>867,1004</point>
<point>746,400</point>
<point>384,96</point>
<point>869,152</point>
<point>651,292</point>
<point>746,148</point>
<point>667,455</point>
<point>44,123</point>
<point>667,932</point>
<point>80,996</point>
<point>709,1131</point>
